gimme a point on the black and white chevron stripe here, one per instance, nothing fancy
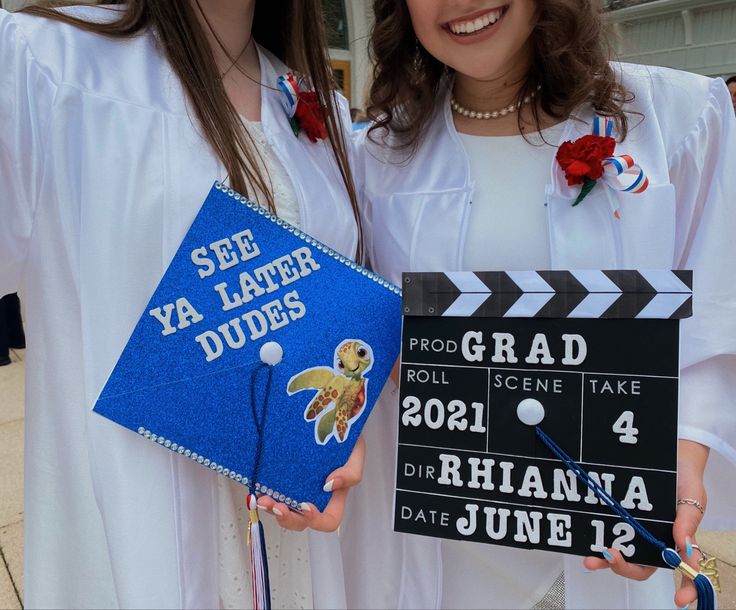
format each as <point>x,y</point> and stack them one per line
<point>550,294</point>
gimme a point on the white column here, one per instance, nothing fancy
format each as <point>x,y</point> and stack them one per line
<point>360,20</point>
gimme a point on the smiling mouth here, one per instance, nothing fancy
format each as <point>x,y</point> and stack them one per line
<point>469,27</point>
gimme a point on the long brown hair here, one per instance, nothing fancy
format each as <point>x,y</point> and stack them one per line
<point>571,53</point>
<point>300,43</point>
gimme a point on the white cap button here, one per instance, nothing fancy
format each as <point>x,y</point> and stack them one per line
<point>271,353</point>
<point>530,411</point>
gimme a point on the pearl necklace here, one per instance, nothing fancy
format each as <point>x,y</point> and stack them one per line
<point>478,114</point>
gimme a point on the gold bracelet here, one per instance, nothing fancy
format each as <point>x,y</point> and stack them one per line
<point>691,502</point>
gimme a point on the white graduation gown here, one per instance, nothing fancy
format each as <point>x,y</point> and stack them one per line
<point>102,170</point>
<point>416,220</point>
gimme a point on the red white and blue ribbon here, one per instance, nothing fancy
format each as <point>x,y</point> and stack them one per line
<point>620,173</point>
<point>290,88</point>
<point>602,126</point>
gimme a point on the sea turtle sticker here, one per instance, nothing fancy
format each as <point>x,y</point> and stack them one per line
<point>342,390</point>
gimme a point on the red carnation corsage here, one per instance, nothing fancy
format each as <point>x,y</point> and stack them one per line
<point>303,108</point>
<point>589,159</point>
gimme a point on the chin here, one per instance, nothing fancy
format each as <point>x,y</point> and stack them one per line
<point>507,62</point>
<point>479,73</point>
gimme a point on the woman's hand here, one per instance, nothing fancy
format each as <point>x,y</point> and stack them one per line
<point>339,482</point>
<point>692,458</point>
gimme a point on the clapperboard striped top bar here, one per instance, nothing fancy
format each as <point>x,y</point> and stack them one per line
<point>550,294</point>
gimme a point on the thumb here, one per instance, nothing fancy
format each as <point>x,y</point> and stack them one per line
<point>686,525</point>
<point>351,473</point>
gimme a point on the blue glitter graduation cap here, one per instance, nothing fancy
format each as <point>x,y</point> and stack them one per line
<point>260,354</point>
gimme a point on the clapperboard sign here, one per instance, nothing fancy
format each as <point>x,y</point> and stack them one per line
<point>598,349</point>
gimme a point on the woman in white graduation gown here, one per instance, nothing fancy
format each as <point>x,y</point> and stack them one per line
<point>451,184</point>
<point>108,146</point>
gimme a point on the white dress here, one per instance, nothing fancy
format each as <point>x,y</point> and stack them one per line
<point>507,230</point>
<point>419,217</point>
<point>102,170</point>
<point>507,225</point>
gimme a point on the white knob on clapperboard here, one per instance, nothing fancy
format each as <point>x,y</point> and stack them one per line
<point>530,411</point>
<point>271,353</point>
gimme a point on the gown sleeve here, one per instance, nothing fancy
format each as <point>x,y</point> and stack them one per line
<point>26,94</point>
<point>702,171</point>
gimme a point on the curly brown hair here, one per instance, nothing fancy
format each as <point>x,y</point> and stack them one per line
<point>571,55</point>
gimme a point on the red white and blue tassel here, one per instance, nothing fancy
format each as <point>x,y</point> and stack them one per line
<point>258,558</point>
<point>620,173</point>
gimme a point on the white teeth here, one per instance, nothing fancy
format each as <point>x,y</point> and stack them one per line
<point>469,27</point>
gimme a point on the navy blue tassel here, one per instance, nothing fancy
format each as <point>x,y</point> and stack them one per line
<point>706,592</point>
<point>270,355</point>
<point>703,585</point>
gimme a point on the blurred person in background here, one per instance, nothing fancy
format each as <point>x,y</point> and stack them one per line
<point>11,327</point>
<point>731,84</point>
<point>359,118</point>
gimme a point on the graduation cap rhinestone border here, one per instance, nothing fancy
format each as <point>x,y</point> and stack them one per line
<point>205,461</point>
<point>307,238</point>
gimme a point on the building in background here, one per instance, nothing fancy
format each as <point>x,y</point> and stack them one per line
<point>693,35</point>
<point>348,24</point>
